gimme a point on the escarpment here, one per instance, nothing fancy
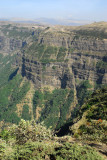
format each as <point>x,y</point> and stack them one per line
<point>81,43</point>
<point>63,74</point>
<point>58,57</point>
<point>8,45</point>
<point>63,64</point>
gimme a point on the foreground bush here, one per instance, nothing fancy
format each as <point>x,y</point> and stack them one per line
<point>31,141</point>
<point>29,130</point>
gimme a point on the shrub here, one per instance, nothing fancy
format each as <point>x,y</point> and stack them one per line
<point>29,130</point>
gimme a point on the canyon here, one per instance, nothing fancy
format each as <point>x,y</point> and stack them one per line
<point>56,57</point>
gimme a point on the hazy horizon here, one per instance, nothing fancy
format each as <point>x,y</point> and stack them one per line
<point>79,11</point>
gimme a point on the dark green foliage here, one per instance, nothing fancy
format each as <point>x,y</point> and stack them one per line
<point>49,51</point>
<point>5,68</point>
<point>64,110</point>
<point>95,111</point>
<point>25,113</point>
<point>83,91</point>
<point>37,100</point>
<point>52,107</point>
<point>61,53</point>
<point>71,50</point>
<point>20,93</point>
<point>10,95</point>
<point>55,103</point>
<point>75,152</point>
<point>45,61</point>
<point>53,67</point>
<point>101,65</point>
<point>15,32</point>
<point>36,49</point>
<point>92,33</point>
<point>13,74</point>
<point>99,102</point>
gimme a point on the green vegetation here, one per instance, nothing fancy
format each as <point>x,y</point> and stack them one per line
<point>25,113</point>
<point>61,53</point>
<point>15,32</point>
<point>71,50</point>
<point>83,91</point>
<point>55,103</point>
<point>101,65</point>
<point>54,67</point>
<point>10,95</point>
<point>36,50</point>
<point>46,54</point>
<point>29,140</point>
<point>92,33</point>
<point>50,50</point>
<point>42,52</point>
<point>37,101</point>
<point>99,102</point>
<point>5,68</point>
<point>94,126</point>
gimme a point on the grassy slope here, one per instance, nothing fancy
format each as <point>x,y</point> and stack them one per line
<point>92,117</point>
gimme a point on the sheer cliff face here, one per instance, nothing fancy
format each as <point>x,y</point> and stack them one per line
<point>65,74</point>
<point>70,55</point>
<point>80,43</point>
<point>7,45</point>
<point>78,57</point>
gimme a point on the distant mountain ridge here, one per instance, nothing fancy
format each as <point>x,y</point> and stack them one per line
<point>49,21</point>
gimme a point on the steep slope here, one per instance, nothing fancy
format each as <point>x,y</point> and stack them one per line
<point>91,122</point>
<point>58,61</point>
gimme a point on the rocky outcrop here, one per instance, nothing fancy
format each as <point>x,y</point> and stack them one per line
<point>81,43</point>
<point>8,45</point>
<point>52,74</point>
<point>64,74</point>
<point>78,62</point>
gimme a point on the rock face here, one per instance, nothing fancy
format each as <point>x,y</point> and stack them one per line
<point>8,45</point>
<point>52,74</point>
<point>78,43</point>
<point>83,57</point>
<point>64,74</point>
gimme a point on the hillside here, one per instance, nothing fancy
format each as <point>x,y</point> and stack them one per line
<point>91,120</point>
<point>55,69</point>
<point>55,78</point>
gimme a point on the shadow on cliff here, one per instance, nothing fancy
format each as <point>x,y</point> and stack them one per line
<point>13,74</point>
<point>64,130</point>
<point>64,80</point>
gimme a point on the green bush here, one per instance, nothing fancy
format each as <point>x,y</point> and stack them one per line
<point>76,152</point>
<point>25,113</point>
<point>30,140</point>
<point>29,130</point>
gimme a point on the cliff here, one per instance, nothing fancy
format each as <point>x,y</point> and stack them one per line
<point>61,58</point>
<point>58,58</point>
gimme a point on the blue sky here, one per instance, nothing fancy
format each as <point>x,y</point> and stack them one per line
<point>92,10</point>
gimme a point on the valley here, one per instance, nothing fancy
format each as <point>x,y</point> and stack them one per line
<point>55,75</point>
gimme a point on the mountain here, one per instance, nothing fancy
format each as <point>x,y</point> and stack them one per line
<point>49,21</point>
<point>55,69</point>
<point>55,78</point>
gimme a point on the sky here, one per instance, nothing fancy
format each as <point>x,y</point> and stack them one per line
<point>91,10</point>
